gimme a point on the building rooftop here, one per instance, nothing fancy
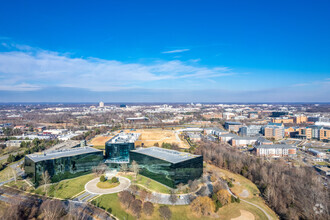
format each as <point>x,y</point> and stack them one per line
<point>171,156</point>
<point>276,146</point>
<point>245,138</point>
<point>228,135</point>
<point>124,138</point>
<point>61,153</point>
<point>233,123</point>
<point>264,140</point>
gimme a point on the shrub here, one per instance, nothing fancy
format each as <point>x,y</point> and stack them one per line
<point>114,180</point>
<point>102,178</point>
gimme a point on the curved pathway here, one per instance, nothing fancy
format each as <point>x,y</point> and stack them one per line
<point>231,193</point>
<point>91,187</point>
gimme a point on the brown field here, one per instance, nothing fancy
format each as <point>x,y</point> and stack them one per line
<point>151,136</point>
<point>100,140</point>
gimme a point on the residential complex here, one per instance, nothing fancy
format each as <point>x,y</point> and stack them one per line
<point>274,150</point>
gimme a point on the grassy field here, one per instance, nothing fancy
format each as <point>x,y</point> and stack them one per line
<point>107,185</point>
<point>241,183</point>
<point>66,189</point>
<point>153,185</point>
<point>111,203</point>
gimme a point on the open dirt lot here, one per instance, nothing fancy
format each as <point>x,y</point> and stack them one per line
<point>245,215</point>
<point>100,140</point>
<point>151,136</point>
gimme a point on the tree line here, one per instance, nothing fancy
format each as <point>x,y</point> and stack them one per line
<point>292,192</point>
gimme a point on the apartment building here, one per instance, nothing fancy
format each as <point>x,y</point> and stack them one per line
<point>325,134</point>
<point>272,131</point>
<point>315,132</point>
<point>298,119</point>
<point>284,120</point>
<point>275,150</point>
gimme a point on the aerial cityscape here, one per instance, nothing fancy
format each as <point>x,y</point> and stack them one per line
<point>165,110</point>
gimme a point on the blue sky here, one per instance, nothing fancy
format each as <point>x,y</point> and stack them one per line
<point>165,51</point>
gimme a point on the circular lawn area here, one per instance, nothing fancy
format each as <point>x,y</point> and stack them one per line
<point>107,185</point>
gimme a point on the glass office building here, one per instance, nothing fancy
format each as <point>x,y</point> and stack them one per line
<point>117,149</point>
<point>62,164</point>
<point>168,167</point>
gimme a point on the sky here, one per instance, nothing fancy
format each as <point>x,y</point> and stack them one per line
<point>165,51</point>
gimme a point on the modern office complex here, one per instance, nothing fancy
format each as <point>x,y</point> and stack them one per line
<point>117,149</point>
<point>62,164</point>
<point>168,166</point>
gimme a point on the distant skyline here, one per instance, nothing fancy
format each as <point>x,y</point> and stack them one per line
<point>165,51</point>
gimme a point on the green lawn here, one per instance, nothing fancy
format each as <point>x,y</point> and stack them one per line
<point>153,185</point>
<point>111,204</point>
<point>106,185</point>
<point>241,183</point>
<point>66,189</point>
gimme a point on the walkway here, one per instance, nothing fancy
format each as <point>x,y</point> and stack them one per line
<point>91,187</point>
<point>181,199</point>
<point>231,193</point>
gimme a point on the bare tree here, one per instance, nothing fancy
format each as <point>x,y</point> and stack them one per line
<point>135,168</point>
<point>13,170</point>
<point>165,212</point>
<point>136,207</point>
<point>123,167</point>
<point>52,209</point>
<point>148,208</point>
<point>173,197</point>
<point>45,180</point>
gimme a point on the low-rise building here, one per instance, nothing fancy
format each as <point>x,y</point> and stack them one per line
<point>323,170</point>
<point>194,136</point>
<point>233,126</point>
<point>251,130</point>
<point>263,141</point>
<point>225,138</point>
<point>243,141</point>
<point>274,150</point>
<point>215,131</point>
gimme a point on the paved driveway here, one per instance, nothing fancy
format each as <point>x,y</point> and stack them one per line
<point>92,188</point>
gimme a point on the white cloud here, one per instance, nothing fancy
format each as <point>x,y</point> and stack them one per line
<point>176,51</point>
<point>31,69</point>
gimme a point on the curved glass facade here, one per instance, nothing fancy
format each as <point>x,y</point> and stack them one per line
<point>63,167</point>
<point>118,152</point>
<point>167,173</point>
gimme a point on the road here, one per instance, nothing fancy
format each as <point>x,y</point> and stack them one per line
<point>4,157</point>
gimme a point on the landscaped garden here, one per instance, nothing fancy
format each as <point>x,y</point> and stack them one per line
<point>107,184</point>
